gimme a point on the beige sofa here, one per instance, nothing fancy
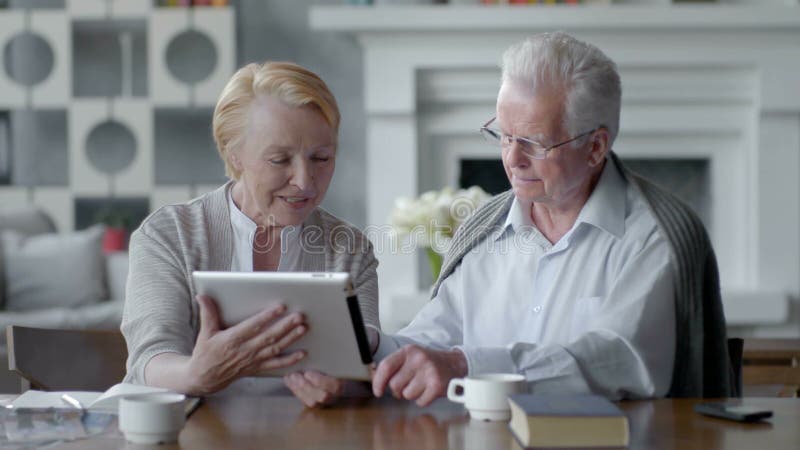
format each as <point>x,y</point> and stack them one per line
<point>103,314</point>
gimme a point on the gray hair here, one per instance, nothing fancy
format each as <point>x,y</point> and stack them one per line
<point>588,77</point>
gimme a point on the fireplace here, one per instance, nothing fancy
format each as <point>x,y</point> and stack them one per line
<point>709,92</point>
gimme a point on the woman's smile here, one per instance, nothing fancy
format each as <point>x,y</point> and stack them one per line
<point>295,202</point>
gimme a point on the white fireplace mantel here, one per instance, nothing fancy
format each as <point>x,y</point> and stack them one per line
<point>718,82</point>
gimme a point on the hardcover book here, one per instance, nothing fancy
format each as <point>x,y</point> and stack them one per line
<point>549,420</point>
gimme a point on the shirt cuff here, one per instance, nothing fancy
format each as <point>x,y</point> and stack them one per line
<point>386,346</point>
<point>488,360</point>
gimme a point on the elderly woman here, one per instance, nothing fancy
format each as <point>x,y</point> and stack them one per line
<point>275,126</point>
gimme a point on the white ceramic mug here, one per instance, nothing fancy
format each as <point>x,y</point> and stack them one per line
<point>486,396</point>
<point>152,418</point>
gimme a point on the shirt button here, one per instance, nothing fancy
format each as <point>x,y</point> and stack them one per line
<point>537,309</point>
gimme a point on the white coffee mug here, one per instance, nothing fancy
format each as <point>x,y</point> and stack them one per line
<point>152,418</point>
<point>486,396</point>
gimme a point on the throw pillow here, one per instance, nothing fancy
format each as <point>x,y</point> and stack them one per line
<point>116,274</point>
<point>53,270</point>
<point>28,220</point>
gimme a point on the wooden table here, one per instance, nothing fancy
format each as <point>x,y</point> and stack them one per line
<point>281,422</point>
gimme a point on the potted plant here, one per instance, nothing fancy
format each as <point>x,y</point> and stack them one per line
<point>117,221</point>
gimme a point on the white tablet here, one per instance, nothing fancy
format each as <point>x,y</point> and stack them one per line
<point>336,341</point>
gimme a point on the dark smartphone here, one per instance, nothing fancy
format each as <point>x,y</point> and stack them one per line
<point>733,411</point>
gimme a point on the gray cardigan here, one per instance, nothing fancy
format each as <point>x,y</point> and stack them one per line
<point>702,367</point>
<point>160,315</point>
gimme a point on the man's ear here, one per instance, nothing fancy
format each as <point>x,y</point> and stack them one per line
<point>599,147</point>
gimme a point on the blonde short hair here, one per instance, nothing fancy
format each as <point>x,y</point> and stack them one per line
<point>285,81</point>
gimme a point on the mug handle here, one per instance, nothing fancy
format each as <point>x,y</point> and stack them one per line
<point>454,384</point>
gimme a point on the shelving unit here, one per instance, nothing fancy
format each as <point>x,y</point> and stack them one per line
<point>53,28</point>
<point>104,88</point>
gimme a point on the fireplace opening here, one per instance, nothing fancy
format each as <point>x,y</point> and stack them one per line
<point>688,179</point>
<point>486,173</point>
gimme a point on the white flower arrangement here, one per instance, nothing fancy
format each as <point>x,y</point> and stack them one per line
<point>431,220</point>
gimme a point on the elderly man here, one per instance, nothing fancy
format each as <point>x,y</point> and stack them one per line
<point>583,277</point>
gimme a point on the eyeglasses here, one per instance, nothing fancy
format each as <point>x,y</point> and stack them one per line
<point>527,146</point>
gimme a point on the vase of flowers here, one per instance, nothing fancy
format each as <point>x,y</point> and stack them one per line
<point>430,220</point>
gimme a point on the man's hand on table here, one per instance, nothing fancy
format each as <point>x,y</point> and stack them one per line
<point>418,373</point>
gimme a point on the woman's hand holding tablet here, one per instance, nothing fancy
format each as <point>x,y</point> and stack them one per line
<point>333,338</point>
<point>252,347</point>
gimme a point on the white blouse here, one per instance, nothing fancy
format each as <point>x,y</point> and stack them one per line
<point>244,229</point>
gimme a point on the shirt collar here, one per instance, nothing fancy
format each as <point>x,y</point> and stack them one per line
<point>516,219</point>
<point>606,207</point>
<point>244,225</point>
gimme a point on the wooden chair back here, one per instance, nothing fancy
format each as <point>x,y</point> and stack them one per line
<point>771,367</point>
<point>55,359</point>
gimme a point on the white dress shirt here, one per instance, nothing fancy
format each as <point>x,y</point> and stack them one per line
<point>244,229</point>
<point>592,313</point>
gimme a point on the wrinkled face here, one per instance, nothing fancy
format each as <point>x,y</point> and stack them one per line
<point>562,177</point>
<point>286,162</point>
